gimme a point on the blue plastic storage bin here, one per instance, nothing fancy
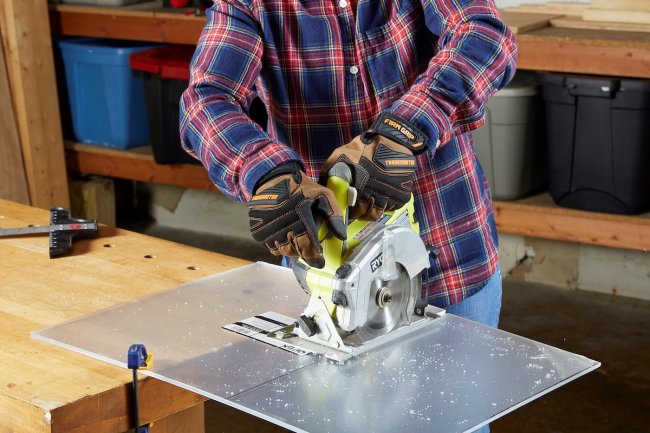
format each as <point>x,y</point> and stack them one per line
<point>106,99</point>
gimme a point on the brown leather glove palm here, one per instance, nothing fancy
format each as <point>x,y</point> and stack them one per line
<point>285,211</point>
<point>383,165</point>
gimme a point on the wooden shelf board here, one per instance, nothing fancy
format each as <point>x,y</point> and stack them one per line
<point>134,164</point>
<point>538,217</point>
<point>584,51</point>
<point>143,23</point>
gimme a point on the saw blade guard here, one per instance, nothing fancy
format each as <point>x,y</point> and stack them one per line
<point>377,288</point>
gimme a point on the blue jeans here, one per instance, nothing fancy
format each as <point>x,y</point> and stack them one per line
<point>482,307</point>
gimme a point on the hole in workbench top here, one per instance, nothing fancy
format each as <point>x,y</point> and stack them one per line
<point>193,268</point>
<point>149,256</point>
<point>109,245</point>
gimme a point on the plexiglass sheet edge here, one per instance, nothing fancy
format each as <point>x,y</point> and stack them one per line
<point>441,372</point>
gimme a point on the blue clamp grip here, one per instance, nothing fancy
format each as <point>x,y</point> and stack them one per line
<point>137,357</point>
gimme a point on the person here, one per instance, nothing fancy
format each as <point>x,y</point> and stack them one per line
<point>391,87</point>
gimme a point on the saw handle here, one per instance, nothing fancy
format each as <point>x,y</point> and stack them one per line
<point>339,178</point>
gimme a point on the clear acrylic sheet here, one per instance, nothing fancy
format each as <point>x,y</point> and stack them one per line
<point>453,376</point>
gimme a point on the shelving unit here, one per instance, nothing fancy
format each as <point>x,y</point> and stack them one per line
<point>547,49</point>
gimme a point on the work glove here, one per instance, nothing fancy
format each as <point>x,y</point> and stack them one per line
<point>383,165</point>
<point>286,211</point>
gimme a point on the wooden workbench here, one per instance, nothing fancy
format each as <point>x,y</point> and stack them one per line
<point>44,388</point>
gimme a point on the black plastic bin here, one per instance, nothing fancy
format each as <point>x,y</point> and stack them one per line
<point>598,133</point>
<point>166,74</point>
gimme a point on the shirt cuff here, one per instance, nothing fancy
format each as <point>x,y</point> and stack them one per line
<point>419,108</point>
<point>263,161</point>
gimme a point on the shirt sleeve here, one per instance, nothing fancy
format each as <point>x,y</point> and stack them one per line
<point>215,125</point>
<point>476,56</point>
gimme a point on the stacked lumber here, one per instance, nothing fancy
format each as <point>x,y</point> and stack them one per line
<point>530,16</point>
<point>521,22</point>
<point>558,8</point>
<point>610,15</point>
<point>618,11</point>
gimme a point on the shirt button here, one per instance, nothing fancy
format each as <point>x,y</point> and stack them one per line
<point>354,70</point>
<point>343,3</point>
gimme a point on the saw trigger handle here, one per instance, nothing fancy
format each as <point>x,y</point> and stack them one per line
<point>342,171</point>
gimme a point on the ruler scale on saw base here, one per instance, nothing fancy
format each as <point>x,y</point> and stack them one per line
<point>451,375</point>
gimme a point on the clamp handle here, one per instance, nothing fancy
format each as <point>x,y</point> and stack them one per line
<point>137,358</point>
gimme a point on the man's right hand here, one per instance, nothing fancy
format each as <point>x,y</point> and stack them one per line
<point>284,210</point>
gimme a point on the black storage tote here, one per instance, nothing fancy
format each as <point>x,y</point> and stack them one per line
<point>598,132</point>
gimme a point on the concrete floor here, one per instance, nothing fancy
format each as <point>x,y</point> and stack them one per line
<point>613,330</point>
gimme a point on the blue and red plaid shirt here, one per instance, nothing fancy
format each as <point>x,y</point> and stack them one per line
<point>325,69</point>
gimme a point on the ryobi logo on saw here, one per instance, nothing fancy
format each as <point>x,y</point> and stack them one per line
<point>376,263</point>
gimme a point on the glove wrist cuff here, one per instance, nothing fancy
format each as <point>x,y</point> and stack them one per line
<point>399,130</point>
<point>291,167</point>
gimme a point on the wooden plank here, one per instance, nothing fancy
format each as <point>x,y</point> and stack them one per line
<point>520,22</point>
<point>626,5</point>
<point>191,420</point>
<point>580,51</point>
<point>13,183</point>
<point>620,16</point>
<point>29,57</point>
<point>134,165</point>
<point>570,225</point>
<point>80,394</point>
<point>18,416</point>
<point>93,198</point>
<point>575,22</point>
<point>126,24</point>
<point>111,409</point>
<point>560,8</point>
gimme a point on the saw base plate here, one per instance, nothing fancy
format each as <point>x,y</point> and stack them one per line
<point>354,346</point>
<point>279,331</point>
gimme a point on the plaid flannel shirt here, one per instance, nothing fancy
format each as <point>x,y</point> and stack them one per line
<point>325,69</point>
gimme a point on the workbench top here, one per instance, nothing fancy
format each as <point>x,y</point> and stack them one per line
<point>44,388</point>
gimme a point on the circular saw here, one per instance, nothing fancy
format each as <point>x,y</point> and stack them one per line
<point>370,287</point>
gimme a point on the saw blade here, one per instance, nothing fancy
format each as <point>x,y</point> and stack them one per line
<point>389,301</point>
